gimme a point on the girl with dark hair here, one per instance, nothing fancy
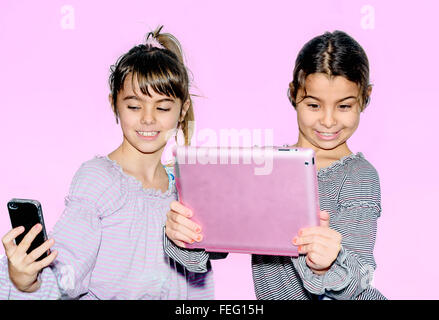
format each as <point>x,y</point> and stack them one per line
<point>108,243</point>
<point>330,89</point>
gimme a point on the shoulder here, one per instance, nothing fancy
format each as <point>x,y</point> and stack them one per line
<point>96,173</point>
<point>361,184</point>
<point>361,172</point>
<point>97,181</point>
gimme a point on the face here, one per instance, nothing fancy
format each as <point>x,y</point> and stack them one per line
<point>329,113</point>
<point>147,122</point>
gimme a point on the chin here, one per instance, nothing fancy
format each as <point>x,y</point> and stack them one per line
<point>151,149</point>
<point>328,145</point>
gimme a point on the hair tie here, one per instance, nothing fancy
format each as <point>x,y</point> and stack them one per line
<point>153,43</point>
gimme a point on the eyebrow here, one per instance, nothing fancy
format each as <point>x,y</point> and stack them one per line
<point>132,97</point>
<point>312,97</point>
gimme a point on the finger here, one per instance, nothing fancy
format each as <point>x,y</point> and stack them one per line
<point>321,231</point>
<point>39,265</point>
<point>309,239</point>
<point>8,239</point>
<point>180,219</point>
<point>189,233</point>
<point>324,219</point>
<point>179,243</point>
<point>314,247</point>
<point>36,253</point>
<point>181,209</point>
<point>28,238</point>
<point>181,235</point>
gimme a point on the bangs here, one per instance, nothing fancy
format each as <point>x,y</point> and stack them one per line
<point>156,72</point>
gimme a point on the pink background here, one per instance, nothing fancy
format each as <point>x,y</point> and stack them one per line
<point>56,114</point>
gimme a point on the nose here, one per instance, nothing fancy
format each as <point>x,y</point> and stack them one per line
<point>148,116</point>
<point>328,120</point>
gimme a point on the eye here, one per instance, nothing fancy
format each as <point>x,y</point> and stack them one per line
<point>344,106</point>
<point>313,106</point>
<point>133,108</point>
<point>163,109</point>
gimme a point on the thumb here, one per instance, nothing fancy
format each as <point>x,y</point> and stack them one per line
<point>324,219</point>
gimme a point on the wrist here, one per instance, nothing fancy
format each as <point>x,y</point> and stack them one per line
<point>35,286</point>
<point>30,288</point>
<point>320,272</point>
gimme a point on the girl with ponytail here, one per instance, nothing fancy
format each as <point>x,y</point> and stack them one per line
<point>108,243</point>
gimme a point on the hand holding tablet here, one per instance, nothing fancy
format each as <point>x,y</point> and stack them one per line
<point>179,227</point>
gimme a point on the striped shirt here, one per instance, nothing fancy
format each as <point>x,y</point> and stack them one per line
<point>349,190</point>
<point>110,243</point>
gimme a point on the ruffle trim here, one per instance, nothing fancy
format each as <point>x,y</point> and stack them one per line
<point>339,163</point>
<point>147,191</point>
<point>362,204</point>
<point>318,284</point>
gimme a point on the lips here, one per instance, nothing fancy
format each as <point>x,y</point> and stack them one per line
<point>148,135</point>
<point>327,135</point>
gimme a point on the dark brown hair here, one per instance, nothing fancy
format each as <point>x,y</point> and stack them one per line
<point>334,54</point>
<point>160,69</point>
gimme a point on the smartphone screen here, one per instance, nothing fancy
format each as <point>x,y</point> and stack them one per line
<point>27,213</point>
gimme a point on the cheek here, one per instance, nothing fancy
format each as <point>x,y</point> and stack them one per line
<point>169,120</point>
<point>306,120</point>
<point>127,121</point>
<point>351,121</point>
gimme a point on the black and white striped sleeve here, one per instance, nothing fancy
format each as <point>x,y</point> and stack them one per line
<point>194,260</point>
<point>359,207</point>
<point>352,271</point>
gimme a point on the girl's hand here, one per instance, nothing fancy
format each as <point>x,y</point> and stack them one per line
<point>23,268</point>
<point>320,244</point>
<point>179,228</point>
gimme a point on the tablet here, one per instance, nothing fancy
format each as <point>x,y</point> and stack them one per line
<point>248,200</point>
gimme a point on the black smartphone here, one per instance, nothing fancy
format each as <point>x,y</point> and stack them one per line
<point>27,213</point>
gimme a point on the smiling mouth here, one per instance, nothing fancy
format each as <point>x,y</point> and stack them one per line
<point>328,134</point>
<point>148,133</point>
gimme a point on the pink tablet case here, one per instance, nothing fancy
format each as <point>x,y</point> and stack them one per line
<point>241,211</point>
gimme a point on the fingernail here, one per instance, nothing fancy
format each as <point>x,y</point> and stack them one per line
<point>199,237</point>
<point>300,232</point>
<point>198,229</point>
<point>295,240</point>
<point>299,248</point>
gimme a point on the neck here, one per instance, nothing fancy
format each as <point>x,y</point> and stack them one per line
<point>145,166</point>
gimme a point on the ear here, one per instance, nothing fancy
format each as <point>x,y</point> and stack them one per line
<point>369,90</point>
<point>184,109</point>
<point>290,92</point>
<point>368,93</point>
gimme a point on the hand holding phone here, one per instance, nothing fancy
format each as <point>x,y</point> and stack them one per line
<point>21,249</point>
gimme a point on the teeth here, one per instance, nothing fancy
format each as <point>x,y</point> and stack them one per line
<point>148,133</point>
<point>326,134</point>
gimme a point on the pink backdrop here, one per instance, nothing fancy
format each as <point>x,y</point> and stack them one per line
<point>55,59</point>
